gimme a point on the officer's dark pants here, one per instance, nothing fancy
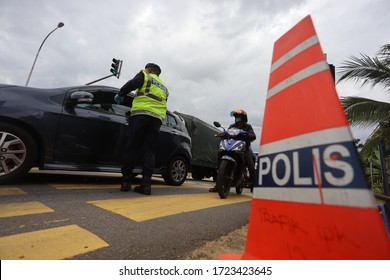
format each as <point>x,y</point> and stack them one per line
<point>141,138</point>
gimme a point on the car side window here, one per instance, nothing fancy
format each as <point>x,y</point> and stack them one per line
<point>105,108</point>
<point>103,101</point>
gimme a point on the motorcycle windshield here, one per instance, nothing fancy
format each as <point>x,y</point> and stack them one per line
<point>233,131</point>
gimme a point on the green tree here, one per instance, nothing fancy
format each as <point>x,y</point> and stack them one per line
<point>364,112</point>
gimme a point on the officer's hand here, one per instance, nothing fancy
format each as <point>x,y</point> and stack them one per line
<point>118,99</point>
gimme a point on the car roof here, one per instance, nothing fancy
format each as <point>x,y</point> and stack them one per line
<point>75,88</point>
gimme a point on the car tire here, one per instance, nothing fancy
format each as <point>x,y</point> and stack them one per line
<point>18,152</point>
<point>177,172</point>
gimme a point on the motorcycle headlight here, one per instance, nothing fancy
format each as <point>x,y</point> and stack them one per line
<point>239,147</point>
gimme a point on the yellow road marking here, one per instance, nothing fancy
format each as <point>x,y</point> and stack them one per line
<point>84,186</point>
<point>197,184</point>
<point>95,186</point>
<point>11,191</point>
<point>147,208</point>
<point>23,208</point>
<point>117,186</point>
<point>49,244</point>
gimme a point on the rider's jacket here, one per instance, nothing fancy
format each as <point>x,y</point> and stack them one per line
<point>246,127</point>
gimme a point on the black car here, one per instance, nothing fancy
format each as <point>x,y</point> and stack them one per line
<point>78,129</point>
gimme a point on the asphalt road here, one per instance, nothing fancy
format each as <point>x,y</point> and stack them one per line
<point>87,217</point>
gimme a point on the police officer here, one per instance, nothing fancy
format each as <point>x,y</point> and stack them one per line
<point>146,115</point>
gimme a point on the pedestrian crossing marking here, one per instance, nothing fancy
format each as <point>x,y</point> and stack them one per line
<point>76,186</point>
<point>96,186</point>
<point>23,208</point>
<point>50,244</point>
<point>11,191</point>
<point>148,208</point>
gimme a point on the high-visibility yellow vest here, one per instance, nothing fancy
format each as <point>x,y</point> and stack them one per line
<point>151,98</point>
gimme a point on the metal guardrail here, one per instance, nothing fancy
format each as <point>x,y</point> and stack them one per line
<point>382,197</point>
<point>384,210</point>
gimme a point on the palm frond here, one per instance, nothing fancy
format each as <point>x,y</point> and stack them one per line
<point>365,112</point>
<point>382,130</point>
<point>374,71</point>
<point>384,54</point>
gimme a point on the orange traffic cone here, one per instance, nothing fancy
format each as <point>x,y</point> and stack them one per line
<point>311,200</point>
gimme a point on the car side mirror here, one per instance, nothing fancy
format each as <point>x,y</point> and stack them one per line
<point>217,124</point>
<point>80,97</point>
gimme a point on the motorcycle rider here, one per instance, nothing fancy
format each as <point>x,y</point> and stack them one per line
<point>241,122</point>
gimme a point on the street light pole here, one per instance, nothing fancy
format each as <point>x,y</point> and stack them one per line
<point>61,24</point>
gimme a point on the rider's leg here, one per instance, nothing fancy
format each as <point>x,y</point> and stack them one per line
<point>250,164</point>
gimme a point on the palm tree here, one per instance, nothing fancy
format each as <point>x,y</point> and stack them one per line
<point>364,112</point>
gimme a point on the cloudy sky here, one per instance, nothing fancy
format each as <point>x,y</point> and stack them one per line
<point>215,55</point>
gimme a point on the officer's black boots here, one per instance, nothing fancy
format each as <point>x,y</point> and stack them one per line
<point>126,183</point>
<point>145,187</point>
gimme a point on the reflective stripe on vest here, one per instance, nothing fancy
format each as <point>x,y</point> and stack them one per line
<point>145,112</point>
<point>148,94</point>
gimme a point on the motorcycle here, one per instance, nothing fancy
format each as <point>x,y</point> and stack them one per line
<point>232,171</point>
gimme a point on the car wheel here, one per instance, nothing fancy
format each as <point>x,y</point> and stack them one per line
<point>18,152</point>
<point>177,172</point>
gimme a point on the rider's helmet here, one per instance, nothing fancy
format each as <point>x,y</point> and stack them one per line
<point>239,115</point>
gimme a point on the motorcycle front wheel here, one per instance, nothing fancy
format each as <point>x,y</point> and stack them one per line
<point>239,189</point>
<point>225,178</point>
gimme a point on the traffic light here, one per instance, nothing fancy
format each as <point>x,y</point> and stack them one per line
<point>116,67</point>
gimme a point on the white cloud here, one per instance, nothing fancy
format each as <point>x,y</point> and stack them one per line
<point>215,55</point>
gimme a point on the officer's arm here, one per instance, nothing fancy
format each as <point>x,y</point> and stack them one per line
<point>132,84</point>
